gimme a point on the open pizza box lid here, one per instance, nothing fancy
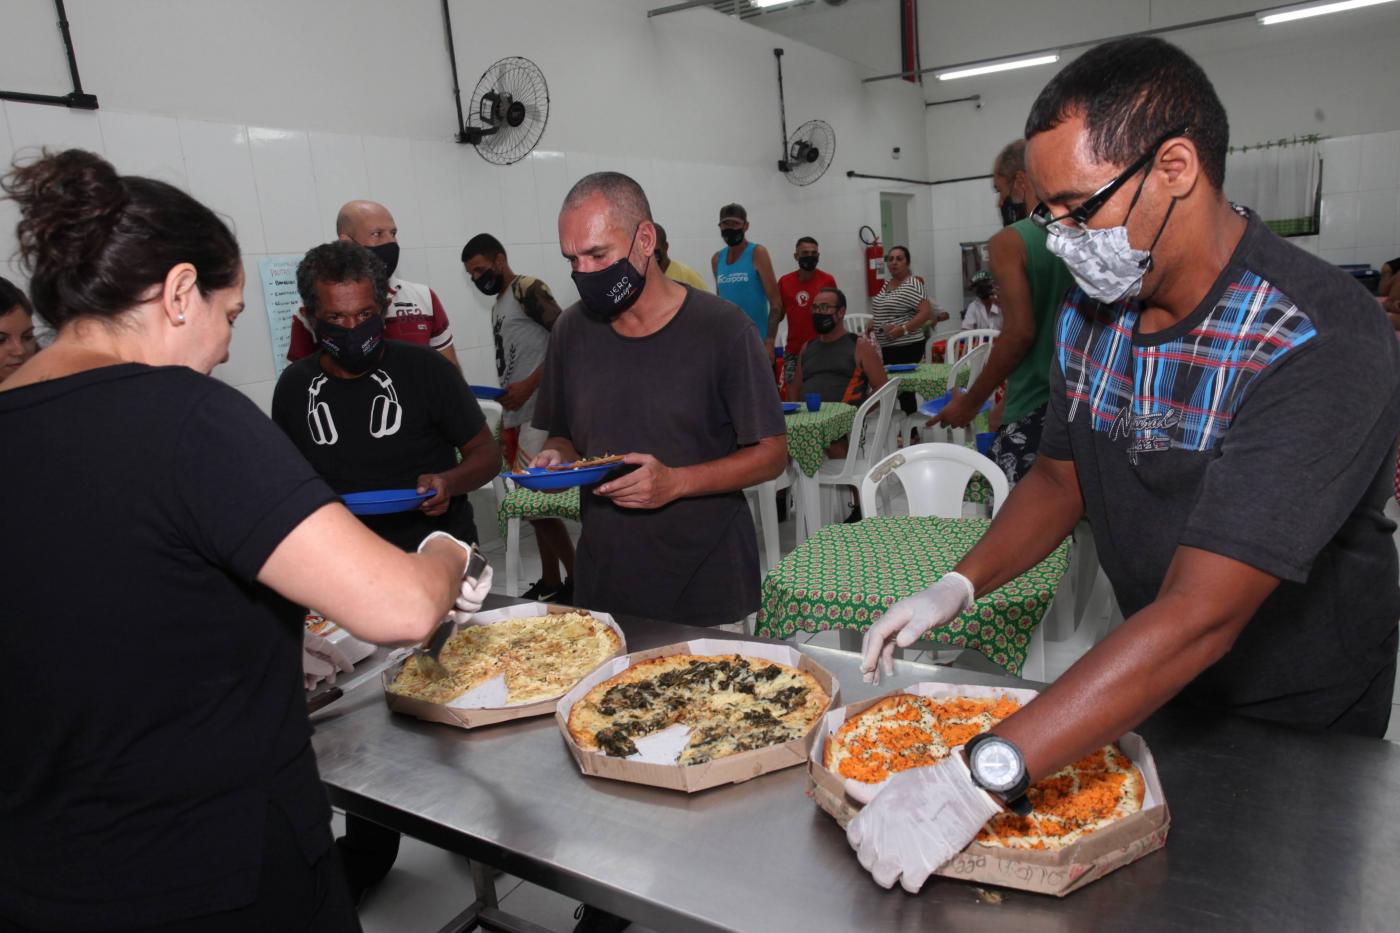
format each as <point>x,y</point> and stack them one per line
<point>483,705</point>
<point>1055,872</point>
<point>734,769</point>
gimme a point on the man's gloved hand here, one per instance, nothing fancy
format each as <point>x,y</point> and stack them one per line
<point>911,617</point>
<point>321,660</point>
<point>918,820</point>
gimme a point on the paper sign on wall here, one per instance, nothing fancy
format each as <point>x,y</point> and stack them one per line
<point>279,281</point>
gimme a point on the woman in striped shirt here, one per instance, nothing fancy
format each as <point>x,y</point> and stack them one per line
<point>901,310</point>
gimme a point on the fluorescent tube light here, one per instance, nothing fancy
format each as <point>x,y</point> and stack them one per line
<point>1288,14</point>
<point>1008,65</point>
<point>764,4</point>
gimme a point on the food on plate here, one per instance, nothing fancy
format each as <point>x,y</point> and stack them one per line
<point>587,462</point>
<point>907,731</point>
<point>541,657</point>
<point>731,703</point>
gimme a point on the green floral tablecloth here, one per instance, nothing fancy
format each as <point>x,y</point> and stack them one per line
<point>845,576</point>
<point>527,504</point>
<point>930,380</point>
<point>809,433</point>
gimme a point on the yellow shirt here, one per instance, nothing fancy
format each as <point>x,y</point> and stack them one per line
<point>682,273</point>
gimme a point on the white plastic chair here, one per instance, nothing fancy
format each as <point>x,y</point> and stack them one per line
<point>934,477</point>
<point>971,363</point>
<point>869,442</point>
<point>763,503</point>
<point>964,340</point>
<point>858,322</point>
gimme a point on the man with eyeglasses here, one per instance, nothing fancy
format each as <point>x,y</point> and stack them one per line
<point>1031,284</point>
<point>1223,407</point>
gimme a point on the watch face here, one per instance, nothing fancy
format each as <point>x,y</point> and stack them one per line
<point>996,765</point>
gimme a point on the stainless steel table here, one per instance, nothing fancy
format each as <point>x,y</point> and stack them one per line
<point>1272,828</point>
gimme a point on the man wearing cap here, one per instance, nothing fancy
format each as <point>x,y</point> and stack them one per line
<point>414,315</point>
<point>743,274</point>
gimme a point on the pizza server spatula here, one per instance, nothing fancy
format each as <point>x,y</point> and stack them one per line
<point>426,655</point>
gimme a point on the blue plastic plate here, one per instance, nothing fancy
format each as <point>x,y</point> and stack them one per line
<point>790,407</point>
<point>543,479</point>
<point>384,501</point>
<point>901,367</point>
<point>487,392</point>
<point>934,406</point>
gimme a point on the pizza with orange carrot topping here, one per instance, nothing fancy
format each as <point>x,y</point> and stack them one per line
<point>907,731</point>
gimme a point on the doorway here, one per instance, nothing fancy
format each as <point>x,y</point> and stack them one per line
<point>894,218</point>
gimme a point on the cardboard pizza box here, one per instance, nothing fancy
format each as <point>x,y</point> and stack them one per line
<point>1043,872</point>
<point>734,769</point>
<point>470,716</point>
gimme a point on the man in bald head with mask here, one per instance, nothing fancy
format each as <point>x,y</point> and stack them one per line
<point>415,315</point>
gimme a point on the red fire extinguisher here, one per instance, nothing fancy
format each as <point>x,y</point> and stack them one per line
<point>874,261</point>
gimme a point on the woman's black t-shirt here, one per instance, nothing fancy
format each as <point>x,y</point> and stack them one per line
<point>151,687</point>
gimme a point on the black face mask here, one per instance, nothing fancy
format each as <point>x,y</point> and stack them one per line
<point>807,263</point>
<point>732,235</point>
<point>488,283</point>
<point>611,291</point>
<point>355,349</point>
<point>823,323</point>
<point>1012,211</point>
<point>388,254</point>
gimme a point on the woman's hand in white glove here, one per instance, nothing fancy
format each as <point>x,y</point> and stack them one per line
<point>905,621</point>
<point>918,820</point>
<point>321,660</point>
<point>471,597</point>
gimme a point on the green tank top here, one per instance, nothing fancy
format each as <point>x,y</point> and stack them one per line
<point>1028,386</point>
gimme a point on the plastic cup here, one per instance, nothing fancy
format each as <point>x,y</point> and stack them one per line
<point>814,401</point>
<point>984,443</point>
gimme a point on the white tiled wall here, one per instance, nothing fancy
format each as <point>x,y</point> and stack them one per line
<point>962,212</point>
<point>280,190</point>
<point>1360,199</point>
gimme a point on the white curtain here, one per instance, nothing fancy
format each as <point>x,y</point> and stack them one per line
<point>1279,182</point>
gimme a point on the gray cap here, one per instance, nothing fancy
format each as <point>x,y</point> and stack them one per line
<point>733,210</point>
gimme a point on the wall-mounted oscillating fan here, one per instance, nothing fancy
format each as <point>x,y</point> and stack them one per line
<point>807,153</point>
<point>509,110</point>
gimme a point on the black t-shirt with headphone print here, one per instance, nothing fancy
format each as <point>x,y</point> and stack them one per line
<point>383,430</point>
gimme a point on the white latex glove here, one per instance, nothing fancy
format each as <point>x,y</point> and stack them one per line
<point>321,660</point>
<point>471,597</point>
<point>918,820</point>
<point>911,617</point>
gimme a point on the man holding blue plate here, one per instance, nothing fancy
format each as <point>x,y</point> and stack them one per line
<point>375,414</point>
<point>677,382</point>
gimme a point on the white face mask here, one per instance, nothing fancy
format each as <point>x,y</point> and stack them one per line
<point>1102,261</point>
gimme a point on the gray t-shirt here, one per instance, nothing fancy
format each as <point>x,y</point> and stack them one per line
<point>1262,428</point>
<point>521,319</point>
<point>694,391</point>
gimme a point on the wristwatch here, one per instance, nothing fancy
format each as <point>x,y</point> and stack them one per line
<point>998,768</point>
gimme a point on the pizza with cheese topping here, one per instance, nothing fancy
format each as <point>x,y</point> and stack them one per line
<point>731,703</point>
<point>541,657</point>
<point>907,731</point>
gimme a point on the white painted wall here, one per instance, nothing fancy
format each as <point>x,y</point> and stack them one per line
<point>274,113</point>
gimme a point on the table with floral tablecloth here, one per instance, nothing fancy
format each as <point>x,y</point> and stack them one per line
<point>929,381</point>
<point>845,576</point>
<point>809,433</point>
<point>530,504</point>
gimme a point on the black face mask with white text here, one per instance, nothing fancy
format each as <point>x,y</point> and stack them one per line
<point>823,323</point>
<point>355,349</point>
<point>608,292</point>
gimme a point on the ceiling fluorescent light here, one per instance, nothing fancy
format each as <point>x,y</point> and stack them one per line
<point>1288,14</point>
<point>1007,65</point>
<point>764,4</point>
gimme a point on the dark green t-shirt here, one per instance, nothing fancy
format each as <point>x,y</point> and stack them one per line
<point>1028,386</point>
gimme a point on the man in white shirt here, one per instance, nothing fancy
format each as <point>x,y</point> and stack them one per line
<point>983,312</point>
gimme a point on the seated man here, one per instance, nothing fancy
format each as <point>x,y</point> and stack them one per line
<point>836,364</point>
<point>983,312</point>
<point>369,414</point>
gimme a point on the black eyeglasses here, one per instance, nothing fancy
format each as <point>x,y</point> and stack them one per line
<point>825,308</point>
<point>1081,214</point>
